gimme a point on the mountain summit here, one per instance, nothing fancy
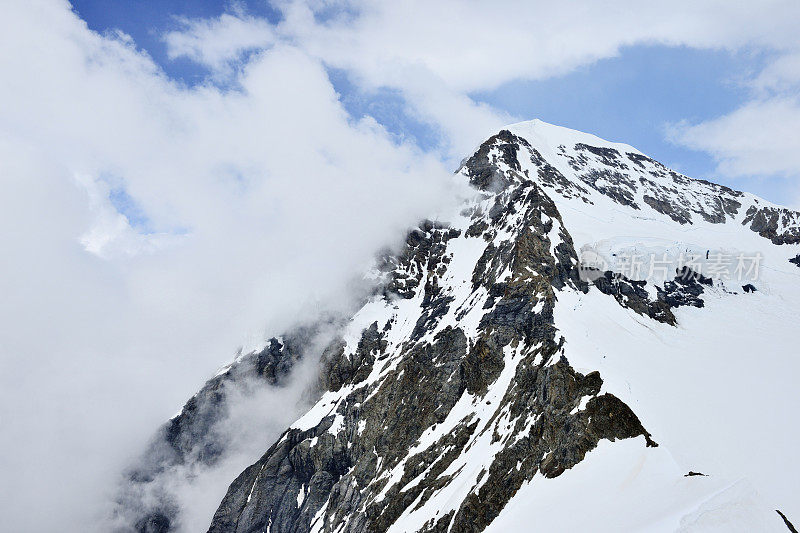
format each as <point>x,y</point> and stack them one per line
<point>593,342</point>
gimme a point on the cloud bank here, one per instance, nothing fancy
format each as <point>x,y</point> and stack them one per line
<point>149,228</point>
<point>437,56</point>
<point>443,53</point>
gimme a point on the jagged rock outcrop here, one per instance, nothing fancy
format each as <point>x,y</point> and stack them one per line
<point>780,225</point>
<point>192,437</point>
<point>471,363</point>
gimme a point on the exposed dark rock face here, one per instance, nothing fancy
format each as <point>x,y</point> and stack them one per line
<point>191,436</point>
<point>484,167</point>
<point>631,294</point>
<point>339,369</point>
<point>613,184</point>
<point>424,250</point>
<point>749,288</point>
<point>608,156</point>
<point>676,213</point>
<point>795,260</point>
<point>685,289</point>
<point>496,165</point>
<point>388,436</point>
<point>780,225</point>
<point>621,178</point>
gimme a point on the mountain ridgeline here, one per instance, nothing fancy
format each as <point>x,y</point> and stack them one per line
<point>454,386</point>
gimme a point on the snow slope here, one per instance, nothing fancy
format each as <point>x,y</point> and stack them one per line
<point>718,391</point>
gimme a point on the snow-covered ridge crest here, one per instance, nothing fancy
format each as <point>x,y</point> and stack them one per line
<point>544,135</point>
<point>579,166</point>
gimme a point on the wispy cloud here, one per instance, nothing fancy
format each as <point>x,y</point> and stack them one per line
<point>757,140</point>
<point>262,205</point>
<point>437,55</point>
<point>219,44</point>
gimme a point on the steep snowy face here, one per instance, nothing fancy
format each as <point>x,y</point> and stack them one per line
<point>522,366</point>
<point>446,392</point>
<point>705,362</point>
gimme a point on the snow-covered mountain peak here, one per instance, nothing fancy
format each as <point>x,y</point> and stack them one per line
<point>497,381</point>
<point>620,182</point>
<point>548,137</point>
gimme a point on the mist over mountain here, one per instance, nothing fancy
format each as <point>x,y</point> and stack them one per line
<point>591,341</point>
<point>297,265</point>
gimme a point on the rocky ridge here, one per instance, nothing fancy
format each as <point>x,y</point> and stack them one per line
<point>474,369</point>
<point>449,389</point>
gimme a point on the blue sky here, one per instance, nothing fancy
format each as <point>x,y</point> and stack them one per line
<point>630,97</point>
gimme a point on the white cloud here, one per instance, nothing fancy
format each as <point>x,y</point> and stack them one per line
<point>781,75</point>
<point>219,43</point>
<point>478,46</point>
<point>274,199</point>
<point>759,138</point>
<point>262,201</point>
<point>437,54</point>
